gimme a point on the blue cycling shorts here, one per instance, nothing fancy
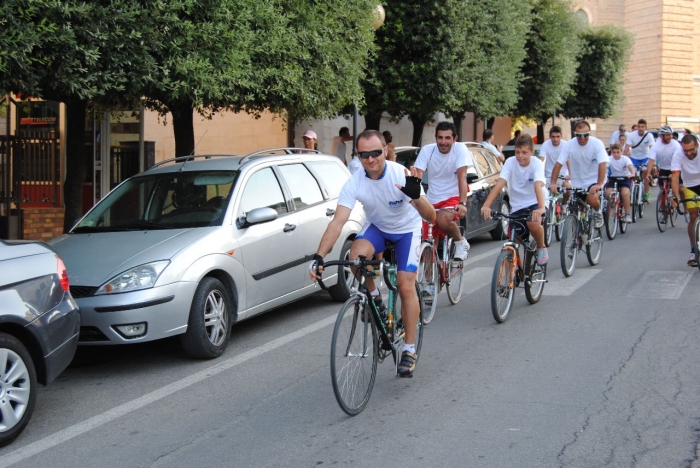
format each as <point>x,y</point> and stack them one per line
<point>407,245</point>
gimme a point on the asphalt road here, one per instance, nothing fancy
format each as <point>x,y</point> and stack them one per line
<point>604,371</point>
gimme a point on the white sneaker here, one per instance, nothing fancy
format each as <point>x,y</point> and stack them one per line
<point>461,249</point>
<point>628,219</point>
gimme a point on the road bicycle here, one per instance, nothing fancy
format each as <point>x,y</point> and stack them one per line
<point>438,267</point>
<point>614,213</point>
<point>579,232</point>
<point>364,336</point>
<point>510,270</point>
<point>696,228</point>
<point>665,212</point>
<point>556,213</point>
<point>637,193</point>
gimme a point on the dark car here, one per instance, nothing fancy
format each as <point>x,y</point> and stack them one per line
<point>39,326</point>
<point>481,180</point>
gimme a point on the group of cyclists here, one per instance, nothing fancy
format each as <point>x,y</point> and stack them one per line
<point>395,203</point>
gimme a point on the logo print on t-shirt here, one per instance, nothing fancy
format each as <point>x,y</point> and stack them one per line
<point>395,204</point>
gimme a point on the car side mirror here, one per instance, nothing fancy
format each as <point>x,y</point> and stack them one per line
<point>257,216</point>
<point>471,177</point>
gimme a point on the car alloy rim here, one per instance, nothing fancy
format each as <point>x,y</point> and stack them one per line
<point>14,389</point>
<point>216,318</point>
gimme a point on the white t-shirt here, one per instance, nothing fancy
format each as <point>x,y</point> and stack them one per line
<point>619,167</point>
<point>385,206</point>
<point>662,153</point>
<point>615,137</point>
<point>490,146</point>
<point>584,161</point>
<point>340,150</point>
<point>690,170</point>
<point>551,154</point>
<point>442,168</point>
<point>521,182</point>
<point>642,150</point>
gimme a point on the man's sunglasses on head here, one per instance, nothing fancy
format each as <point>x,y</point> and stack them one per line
<point>582,135</point>
<point>368,154</point>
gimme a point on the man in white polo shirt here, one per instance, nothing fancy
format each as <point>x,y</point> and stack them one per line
<point>588,163</point>
<point>686,164</point>
<point>447,164</point>
<point>639,144</point>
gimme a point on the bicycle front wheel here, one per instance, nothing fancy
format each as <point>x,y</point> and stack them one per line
<point>621,218</point>
<point>535,275</point>
<point>428,281</point>
<point>549,224</point>
<point>611,221</point>
<point>503,286</point>
<point>661,213</point>
<point>696,238</point>
<point>354,355</point>
<point>672,213</point>
<point>635,202</point>
<point>641,202</point>
<point>569,246</point>
<point>594,247</point>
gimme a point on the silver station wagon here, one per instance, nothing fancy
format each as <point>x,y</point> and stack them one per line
<point>197,243</point>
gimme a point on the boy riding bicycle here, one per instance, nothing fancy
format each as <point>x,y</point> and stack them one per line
<point>525,178</point>
<point>621,172</point>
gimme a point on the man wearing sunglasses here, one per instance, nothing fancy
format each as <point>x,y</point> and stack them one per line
<point>394,204</point>
<point>588,163</point>
<point>686,165</point>
<point>447,164</point>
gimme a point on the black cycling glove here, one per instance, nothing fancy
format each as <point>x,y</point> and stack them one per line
<point>316,262</point>
<point>412,187</point>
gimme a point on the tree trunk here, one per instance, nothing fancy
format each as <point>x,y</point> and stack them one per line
<point>291,123</point>
<point>373,121</point>
<point>458,118</point>
<point>418,124</point>
<point>490,122</point>
<point>540,132</point>
<point>77,160</point>
<point>183,127</point>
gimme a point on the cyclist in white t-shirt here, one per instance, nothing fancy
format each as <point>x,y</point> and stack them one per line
<point>524,175</point>
<point>686,164</point>
<point>447,164</point>
<point>662,152</point>
<point>394,205</point>
<point>639,145</point>
<point>621,172</point>
<point>549,154</point>
<point>587,166</point>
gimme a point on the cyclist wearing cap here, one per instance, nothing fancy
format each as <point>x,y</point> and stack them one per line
<point>661,153</point>
<point>639,145</point>
<point>447,164</point>
<point>686,164</point>
<point>394,203</point>
<point>588,163</point>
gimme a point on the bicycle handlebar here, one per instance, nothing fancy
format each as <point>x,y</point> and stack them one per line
<point>360,262</point>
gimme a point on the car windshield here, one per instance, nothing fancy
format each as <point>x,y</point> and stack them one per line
<point>170,200</point>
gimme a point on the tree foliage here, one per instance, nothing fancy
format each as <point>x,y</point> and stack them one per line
<point>549,68</point>
<point>597,89</point>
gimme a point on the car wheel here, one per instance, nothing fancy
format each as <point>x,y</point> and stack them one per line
<point>346,281</point>
<point>18,388</point>
<point>209,325</point>
<point>501,230</point>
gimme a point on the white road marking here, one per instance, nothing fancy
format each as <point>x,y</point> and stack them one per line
<point>476,278</point>
<point>133,405</point>
<point>482,256</point>
<point>559,285</point>
<point>660,284</point>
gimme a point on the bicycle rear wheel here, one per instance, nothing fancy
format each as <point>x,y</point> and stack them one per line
<point>641,202</point>
<point>503,286</point>
<point>661,212</point>
<point>535,275</point>
<point>400,330</point>
<point>569,246</point>
<point>428,281</point>
<point>696,238</point>
<point>611,221</point>
<point>354,355</point>
<point>635,201</point>
<point>594,247</point>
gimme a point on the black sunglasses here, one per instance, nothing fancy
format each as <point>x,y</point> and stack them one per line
<point>582,135</point>
<point>368,154</point>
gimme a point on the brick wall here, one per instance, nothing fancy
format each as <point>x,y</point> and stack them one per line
<point>42,223</point>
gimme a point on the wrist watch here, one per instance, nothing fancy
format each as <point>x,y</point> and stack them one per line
<point>464,204</point>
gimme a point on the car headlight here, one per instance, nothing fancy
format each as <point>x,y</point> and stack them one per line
<point>140,277</point>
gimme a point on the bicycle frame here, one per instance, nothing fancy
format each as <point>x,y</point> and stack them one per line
<point>440,237</point>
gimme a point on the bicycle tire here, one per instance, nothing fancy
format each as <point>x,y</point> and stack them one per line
<point>455,283</point>
<point>611,214</point>
<point>641,203</point>
<point>354,355</point>
<point>548,225</point>
<point>635,196</point>
<point>427,277</point>
<point>594,246</point>
<point>661,213</point>
<point>673,213</point>
<point>535,275</point>
<point>696,238</point>
<point>400,332</point>
<point>569,246</point>
<point>502,286</point>
<point>621,218</point>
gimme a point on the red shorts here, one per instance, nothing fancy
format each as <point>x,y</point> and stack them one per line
<point>437,232</point>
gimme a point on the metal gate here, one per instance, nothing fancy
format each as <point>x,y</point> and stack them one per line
<point>29,173</point>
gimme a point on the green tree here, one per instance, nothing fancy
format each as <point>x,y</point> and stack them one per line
<point>488,70</point>
<point>597,89</point>
<point>549,68</point>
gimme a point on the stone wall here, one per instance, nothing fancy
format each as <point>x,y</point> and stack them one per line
<point>42,223</point>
